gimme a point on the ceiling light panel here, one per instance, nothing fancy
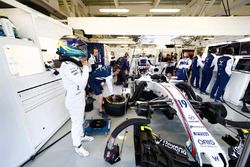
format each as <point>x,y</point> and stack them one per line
<point>122,37</point>
<point>114,10</point>
<point>164,10</point>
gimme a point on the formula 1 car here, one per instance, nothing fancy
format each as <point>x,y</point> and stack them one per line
<point>201,142</point>
<point>172,99</point>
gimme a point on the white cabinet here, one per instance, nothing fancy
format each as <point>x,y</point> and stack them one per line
<point>236,87</point>
<point>31,98</point>
<point>43,110</point>
<point>43,117</point>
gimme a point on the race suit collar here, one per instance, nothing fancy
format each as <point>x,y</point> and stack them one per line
<point>64,58</point>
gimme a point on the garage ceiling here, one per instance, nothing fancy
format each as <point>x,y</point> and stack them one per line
<point>77,8</point>
<point>187,7</point>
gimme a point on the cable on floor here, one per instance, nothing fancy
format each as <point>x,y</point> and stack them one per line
<point>39,152</point>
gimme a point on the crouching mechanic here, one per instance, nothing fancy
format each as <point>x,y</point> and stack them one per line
<point>96,80</point>
<point>74,72</point>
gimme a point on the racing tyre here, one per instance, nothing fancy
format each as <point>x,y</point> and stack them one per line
<point>89,104</point>
<point>115,107</point>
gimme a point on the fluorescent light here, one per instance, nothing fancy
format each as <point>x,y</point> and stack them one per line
<point>164,10</point>
<point>124,45</point>
<point>178,46</point>
<point>114,10</point>
<point>122,37</point>
<point>208,38</point>
<point>113,41</point>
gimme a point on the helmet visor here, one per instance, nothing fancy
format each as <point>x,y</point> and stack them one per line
<point>82,47</point>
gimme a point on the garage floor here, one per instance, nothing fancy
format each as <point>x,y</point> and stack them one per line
<point>62,153</point>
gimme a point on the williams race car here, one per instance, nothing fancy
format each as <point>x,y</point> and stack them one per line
<point>174,98</point>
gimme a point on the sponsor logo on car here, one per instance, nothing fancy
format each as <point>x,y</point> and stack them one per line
<point>204,142</point>
<point>173,147</point>
<point>194,126</point>
<point>191,119</point>
<point>216,158</point>
<point>201,133</point>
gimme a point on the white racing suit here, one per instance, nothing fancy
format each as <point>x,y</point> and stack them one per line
<point>74,80</point>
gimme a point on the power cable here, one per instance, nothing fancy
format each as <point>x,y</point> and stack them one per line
<point>125,133</point>
<point>236,110</point>
<point>232,107</point>
<point>39,152</point>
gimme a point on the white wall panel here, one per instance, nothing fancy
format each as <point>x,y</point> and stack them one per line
<point>162,25</point>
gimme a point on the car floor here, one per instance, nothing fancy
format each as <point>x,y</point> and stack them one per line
<point>62,153</point>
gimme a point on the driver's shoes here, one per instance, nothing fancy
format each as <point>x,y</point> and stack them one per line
<point>81,151</point>
<point>87,138</point>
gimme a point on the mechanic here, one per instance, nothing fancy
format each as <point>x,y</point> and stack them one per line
<point>196,66</point>
<point>183,66</point>
<point>168,68</point>
<point>224,64</point>
<point>143,63</point>
<point>207,71</point>
<point>96,80</point>
<point>94,60</point>
<point>124,64</point>
<point>112,58</point>
<point>75,72</point>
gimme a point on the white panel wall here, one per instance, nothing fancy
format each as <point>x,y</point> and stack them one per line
<point>23,22</point>
<point>43,30</point>
<point>162,25</point>
<point>49,32</point>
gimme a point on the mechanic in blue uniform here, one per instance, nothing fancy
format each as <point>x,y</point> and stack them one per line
<point>96,81</point>
<point>75,72</point>
<point>182,67</point>
<point>143,63</point>
<point>196,67</point>
<point>207,72</point>
<point>124,65</point>
<point>224,64</point>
